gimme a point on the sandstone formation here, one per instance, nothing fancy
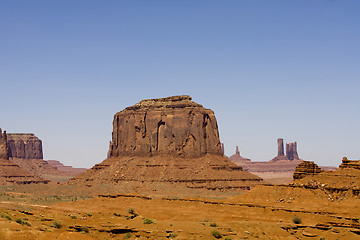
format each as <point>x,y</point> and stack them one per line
<point>3,145</point>
<point>24,146</point>
<point>11,173</point>
<point>291,151</point>
<point>173,140</point>
<point>306,168</point>
<point>174,126</point>
<point>354,164</point>
<point>239,160</point>
<point>67,170</point>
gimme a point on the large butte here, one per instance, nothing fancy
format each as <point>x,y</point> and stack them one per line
<point>170,139</point>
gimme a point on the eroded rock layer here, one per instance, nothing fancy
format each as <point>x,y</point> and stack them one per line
<point>174,126</point>
<point>306,168</point>
<point>24,146</point>
<point>172,140</point>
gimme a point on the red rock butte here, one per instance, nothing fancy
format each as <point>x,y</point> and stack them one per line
<point>170,139</point>
<point>173,126</point>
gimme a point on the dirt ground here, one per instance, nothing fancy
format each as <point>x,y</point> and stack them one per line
<point>266,212</point>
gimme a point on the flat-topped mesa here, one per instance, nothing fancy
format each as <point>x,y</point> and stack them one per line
<point>174,126</point>
<point>3,145</point>
<point>24,146</point>
<point>306,168</point>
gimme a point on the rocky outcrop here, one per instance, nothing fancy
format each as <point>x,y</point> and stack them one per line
<point>280,142</point>
<point>306,168</point>
<point>3,145</point>
<point>354,164</point>
<point>170,140</point>
<point>24,146</point>
<point>68,170</point>
<point>239,160</point>
<point>291,151</point>
<point>174,126</point>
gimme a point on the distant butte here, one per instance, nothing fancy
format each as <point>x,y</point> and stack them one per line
<point>172,140</point>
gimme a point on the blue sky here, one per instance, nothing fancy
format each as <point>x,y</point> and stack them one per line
<point>268,69</point>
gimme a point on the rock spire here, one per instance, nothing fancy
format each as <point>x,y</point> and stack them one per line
<point>3,145</point>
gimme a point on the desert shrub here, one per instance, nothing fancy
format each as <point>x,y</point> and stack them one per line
<point>4,215</point>
<point>228,238</point>
<point>89,214</point>
<point>148,221</point>
<point>172,235</point>
<point>322,238</point>
<point>216,234</point>
<point>84,229</point>
<point>213,225</point>
<point>127,235</point>
<point>296,220</point>
<point>131,211</point>
<point>73,217</point>
<point>23,221</point>
<point>117,214</point>
<point>56,224</point>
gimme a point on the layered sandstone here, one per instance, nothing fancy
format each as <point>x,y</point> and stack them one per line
<point>174,126</point>
<point>354,164</point>
<point>173,140</point>
<point>306,168</point>
<point>67,170</point>
<point>24,146</point>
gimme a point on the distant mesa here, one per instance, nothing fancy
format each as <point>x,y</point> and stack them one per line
<point>236,158</point>
<point>10,172</point>
<point>67,170</point>
<point>173,140</point>
<point>25,146</point>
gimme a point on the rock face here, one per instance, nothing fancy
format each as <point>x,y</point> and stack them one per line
<point>3,145</point>
<point>11,173</point>
<point>168,140</point>
<point>237,159</point>
<point>24,146</point>
<point>280,142</point>
<point>174,126</point>
<point>306,168</point>
<point>354,164</point>
<point>291,151</point>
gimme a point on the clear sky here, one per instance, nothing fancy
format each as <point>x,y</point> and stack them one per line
<point>268,69</point>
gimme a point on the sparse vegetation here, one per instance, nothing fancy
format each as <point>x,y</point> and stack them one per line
<point>23,221</point>
<point>127,235</point>
<point>73,217</point>
<point>172,235</point>
<point>56,224</point>
<point>89,214</point>
<point>322,238</point>
<point>84,229</point>
<point>117,214</point>
<point>4,215</point>
<point>297,220</point>
<point>148,221</point>
<point>216,234</point>
<point>213,225</point>
<point>131,211</point>
<point>228,238</point>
